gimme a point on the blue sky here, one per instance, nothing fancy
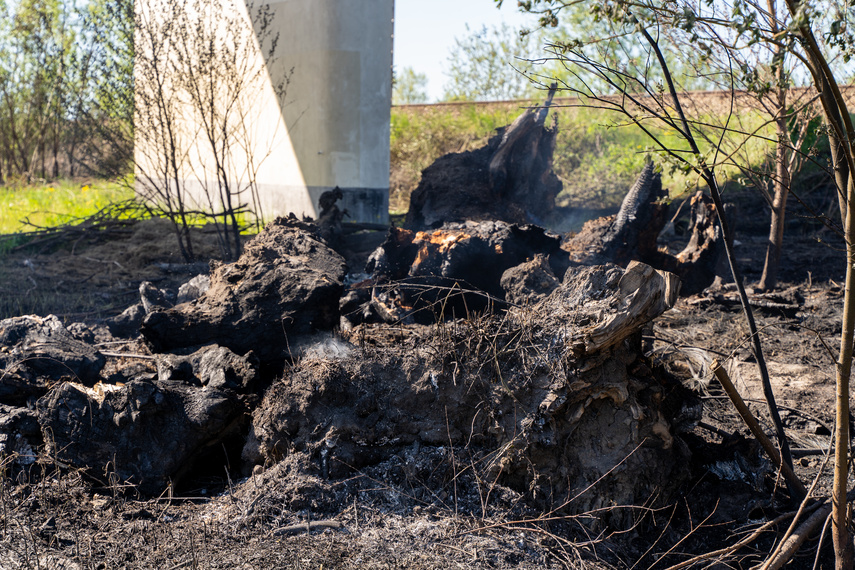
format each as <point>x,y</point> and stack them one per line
<point>425,32</point>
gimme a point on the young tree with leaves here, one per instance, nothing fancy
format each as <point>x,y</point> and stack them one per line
<point>491,64</point>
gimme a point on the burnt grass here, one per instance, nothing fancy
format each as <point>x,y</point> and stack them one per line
<point>425,507</point>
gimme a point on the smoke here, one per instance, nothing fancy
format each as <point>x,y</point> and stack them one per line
<point>324,347</point>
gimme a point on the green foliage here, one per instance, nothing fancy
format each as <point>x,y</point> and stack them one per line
<point>36,37</point>
<point>409,87</point>
<point>492,64</point>
<point>596,161</point>
<point>505,63</point>
<point>52,86</point>
<point>109,119</point>
<point>56,203</point>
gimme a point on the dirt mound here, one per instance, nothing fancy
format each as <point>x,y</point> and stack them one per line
<point>547,399</point>
<point>286,283</point>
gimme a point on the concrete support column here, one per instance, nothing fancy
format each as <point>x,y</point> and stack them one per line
<point>338,103</point>
<point>330,129</point>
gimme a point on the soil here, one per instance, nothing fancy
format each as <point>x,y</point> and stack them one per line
<point>424,508</point>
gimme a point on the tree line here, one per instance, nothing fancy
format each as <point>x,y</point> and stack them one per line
<point>66,88</point>
<point>165,96</point>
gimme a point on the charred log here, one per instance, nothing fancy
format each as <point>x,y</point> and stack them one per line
<point>146,432</point>
<point>698,263</point>
<point>632,232</point>
<point>331,217</point>
<point>213,367</point>
<point>39,350</point>
<point>456,270</point>
<point>510,179</point>
<point>155,299</point>
<point>127,323</point>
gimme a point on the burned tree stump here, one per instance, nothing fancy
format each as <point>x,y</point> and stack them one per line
<point>632,234</point>
<point>698,264</point>
<point>554,399</point>
<point>287,282</point>
<point>510,179</point>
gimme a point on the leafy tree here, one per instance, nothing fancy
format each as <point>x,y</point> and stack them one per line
<point>108,111</point>
<point>506,63</point>
<point>52,113</point>
<point>409,87</point>
<point>492,64</point>
<point>35,40</point>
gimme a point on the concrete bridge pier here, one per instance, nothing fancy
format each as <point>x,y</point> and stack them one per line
<point>330,129</point>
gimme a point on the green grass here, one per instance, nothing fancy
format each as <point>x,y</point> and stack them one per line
<point>55,203</point>
<point>596,159</point>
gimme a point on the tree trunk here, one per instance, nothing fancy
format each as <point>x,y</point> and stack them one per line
<point>843,550</point>
<point>769,279</point>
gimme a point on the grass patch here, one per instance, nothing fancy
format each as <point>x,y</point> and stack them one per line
<point>596,159</point>
<point>28,207</point>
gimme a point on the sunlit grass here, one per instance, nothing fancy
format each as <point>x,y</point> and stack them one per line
<point>50,204</point>
<point>596,158</point>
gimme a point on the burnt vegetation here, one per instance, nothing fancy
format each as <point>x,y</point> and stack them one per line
<point>476,391</point>
<point>473,387</point>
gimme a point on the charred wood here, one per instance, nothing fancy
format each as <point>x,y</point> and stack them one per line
<point>510,179</point>
<point>40,350</point>
<point>147,432</point>
<point>517,393</point>
<point>632,232</point>
<point>698,263</point>
<point>454,271</point>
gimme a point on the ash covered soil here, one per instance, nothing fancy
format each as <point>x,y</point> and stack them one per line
<point>429,507</point>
